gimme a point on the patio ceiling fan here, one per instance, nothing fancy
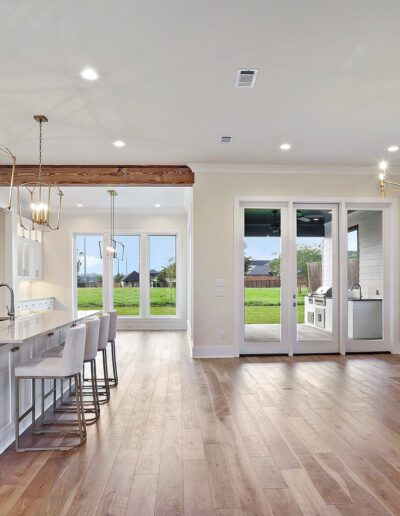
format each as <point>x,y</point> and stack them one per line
<point>275,226</point>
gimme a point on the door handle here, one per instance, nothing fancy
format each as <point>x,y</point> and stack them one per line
<point>294,304</point>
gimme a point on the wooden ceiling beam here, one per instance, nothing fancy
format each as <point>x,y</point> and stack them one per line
<point>101,175</point>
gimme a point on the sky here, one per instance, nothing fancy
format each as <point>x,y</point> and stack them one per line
<point>161,248</point>
<point>268,248</point>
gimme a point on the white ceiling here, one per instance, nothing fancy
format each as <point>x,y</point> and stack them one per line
<point>128,198</point>
<point>329,80</point>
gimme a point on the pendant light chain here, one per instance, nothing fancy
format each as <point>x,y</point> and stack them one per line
<point>40,150</point>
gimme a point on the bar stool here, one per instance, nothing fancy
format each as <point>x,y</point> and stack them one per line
<point>67,366</point>
<point>112,333</point>
<point>103,389</point>
<point>91,343</point>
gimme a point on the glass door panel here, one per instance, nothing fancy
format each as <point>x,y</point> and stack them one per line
<point>365,276</point>
<point>126,275</point>
<point>262,279</point>
<point>316,259</point>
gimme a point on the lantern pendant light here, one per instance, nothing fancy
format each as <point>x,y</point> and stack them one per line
<point>111,248</point>
<point>40,196</point>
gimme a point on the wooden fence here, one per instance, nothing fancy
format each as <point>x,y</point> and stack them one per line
<point>262,281</point>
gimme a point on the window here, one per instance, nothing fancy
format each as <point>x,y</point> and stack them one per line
<point>140,281</point>
<point>162,274</point>
<point>89,272</point>
<point>126,275</point>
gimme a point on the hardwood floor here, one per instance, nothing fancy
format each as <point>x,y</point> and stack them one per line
<point>251,436</point>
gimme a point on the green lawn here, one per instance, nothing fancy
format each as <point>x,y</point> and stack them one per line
<point>262,305</point>
<point>126,300</point>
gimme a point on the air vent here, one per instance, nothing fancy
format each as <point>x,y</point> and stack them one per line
<point>246,78</point>
<point>226,139</point>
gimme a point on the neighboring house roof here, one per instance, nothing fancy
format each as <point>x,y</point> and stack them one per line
<point>134,276</point>
<point>259,262</point>
<point>259,268</point>
<point>131,278</point>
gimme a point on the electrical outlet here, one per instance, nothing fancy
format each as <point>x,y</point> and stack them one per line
<point>222,334</point>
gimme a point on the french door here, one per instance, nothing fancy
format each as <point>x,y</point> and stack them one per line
<point>290,251</point>
<point>305,290</point>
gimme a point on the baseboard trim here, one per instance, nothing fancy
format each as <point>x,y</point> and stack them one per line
<point>150,324</point>
<point>213,352</point>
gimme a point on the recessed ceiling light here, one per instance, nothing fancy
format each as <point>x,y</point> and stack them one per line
<point>393,148</point>
<point>89,74</point>
<point>157,205</point>
<point>285,146</point>
<point>119,143</point>
<point>315,219</point>
<point>79,205</point>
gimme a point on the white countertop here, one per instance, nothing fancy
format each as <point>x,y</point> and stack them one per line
<point>38,324</point>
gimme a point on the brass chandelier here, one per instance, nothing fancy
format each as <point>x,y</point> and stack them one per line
<point>6,153</point>
<point>43,215</point>
<point>383,166</point>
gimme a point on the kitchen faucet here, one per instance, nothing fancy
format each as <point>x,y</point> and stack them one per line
<point>358,287</point>
<point>10,312</point>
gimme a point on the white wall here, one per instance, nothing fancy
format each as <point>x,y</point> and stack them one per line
<point>213,229</point>
<point>370,251</point>
<point>2,261</point>
<point>57,250</point>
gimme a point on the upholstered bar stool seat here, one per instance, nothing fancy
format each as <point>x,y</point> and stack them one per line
<point>57,352</point>
<point>91,344</point>
<point>67,366</point>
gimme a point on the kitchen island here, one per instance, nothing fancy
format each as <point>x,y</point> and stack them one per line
<point>27,337</point>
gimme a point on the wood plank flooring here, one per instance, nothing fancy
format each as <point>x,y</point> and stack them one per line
<point>317,435</point>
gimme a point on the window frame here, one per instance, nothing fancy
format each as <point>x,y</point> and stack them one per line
<point>144,256</point>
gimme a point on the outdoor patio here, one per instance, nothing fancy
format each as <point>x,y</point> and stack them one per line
<point>271,333</point>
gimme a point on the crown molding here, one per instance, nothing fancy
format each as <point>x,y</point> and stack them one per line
<point>270,168</point>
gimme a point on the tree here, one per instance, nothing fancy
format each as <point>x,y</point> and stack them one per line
<point>305,254</point>
<point>161,278</point>
<point>118,277</point>
<point>275,266</point>
<point>167,276</point>
<point>247,261</point>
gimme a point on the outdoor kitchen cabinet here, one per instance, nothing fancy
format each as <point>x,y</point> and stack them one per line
<point>365,318</point>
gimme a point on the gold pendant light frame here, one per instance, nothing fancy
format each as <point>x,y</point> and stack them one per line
<point>383,166</point>
<point>40,195</point>
<point>6,153</point>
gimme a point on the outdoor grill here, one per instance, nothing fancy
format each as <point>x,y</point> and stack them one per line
<point>320,296</point>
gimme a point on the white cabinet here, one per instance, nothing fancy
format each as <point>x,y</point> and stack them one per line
<point>23,258</point>
<point>36,256</point>
<point>29,254</point>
